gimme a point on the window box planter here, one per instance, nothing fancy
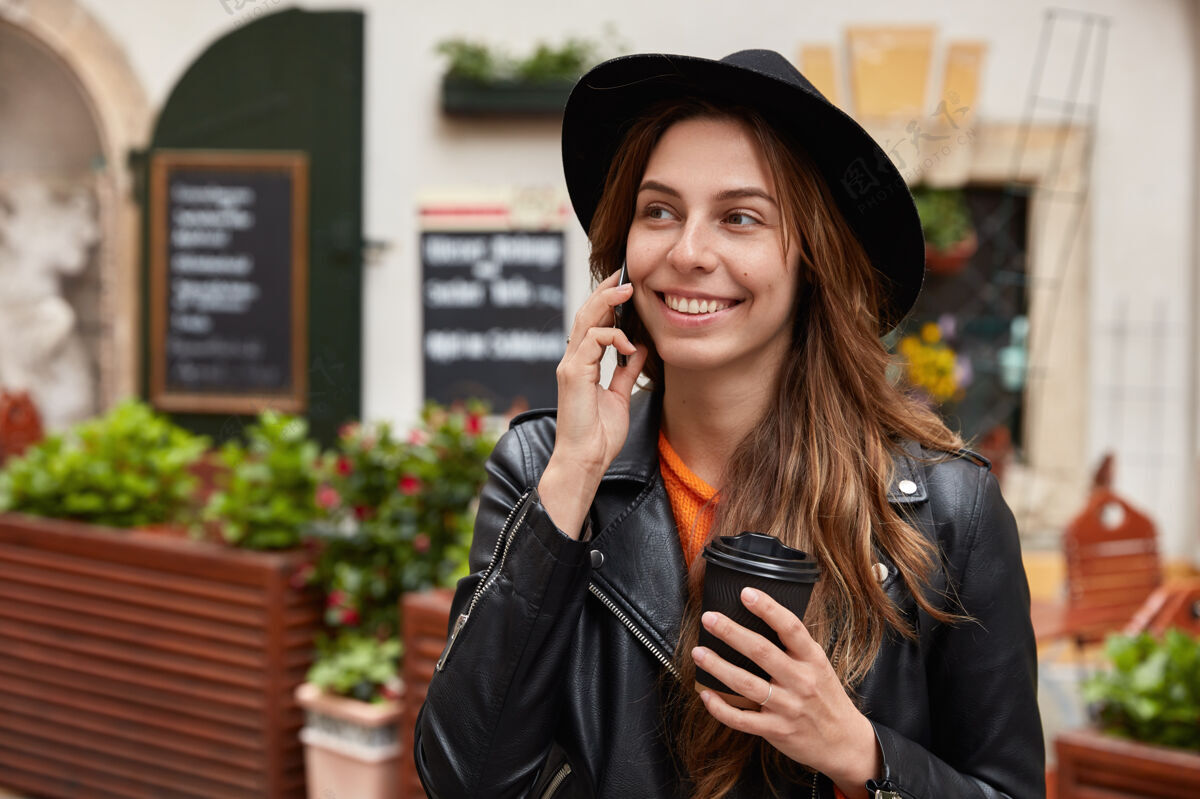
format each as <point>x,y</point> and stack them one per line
<point>352,748</point>
<point>1091,764</point>
<point>464,97</point>
<point>134,664</point>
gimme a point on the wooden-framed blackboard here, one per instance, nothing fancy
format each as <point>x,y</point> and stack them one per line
<point>228,281</point>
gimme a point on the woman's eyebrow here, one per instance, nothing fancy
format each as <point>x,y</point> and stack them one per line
<point>727,194</point>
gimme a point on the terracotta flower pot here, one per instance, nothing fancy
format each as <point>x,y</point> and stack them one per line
<point>951,260</point>
<point>351,748</point>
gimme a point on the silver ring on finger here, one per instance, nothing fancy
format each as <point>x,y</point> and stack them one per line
<point>568,339</point>
<point>770,689</point>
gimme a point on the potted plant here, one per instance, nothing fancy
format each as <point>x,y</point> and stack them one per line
<point>479,80</point>
<point>950,238</point>
<point>1146,706</point>
<point>134,661</point>
<point>397,519</point>
<point>352,703</point>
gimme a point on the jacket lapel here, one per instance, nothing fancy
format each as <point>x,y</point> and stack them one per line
<point>642,569</point>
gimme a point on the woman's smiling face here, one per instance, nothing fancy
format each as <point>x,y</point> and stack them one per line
<point>713,285</point>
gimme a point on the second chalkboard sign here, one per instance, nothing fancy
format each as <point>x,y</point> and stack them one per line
<point>228,281</point>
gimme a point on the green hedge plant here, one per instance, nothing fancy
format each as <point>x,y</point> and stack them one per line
<point>266,495</point>
<point>360,666</point>
<point>1152,691</point>
<point>130,467</point>
<point>398,513</point>
<point>478,62</point>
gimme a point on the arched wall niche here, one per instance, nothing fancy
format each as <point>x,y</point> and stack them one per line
<point>79,114</point>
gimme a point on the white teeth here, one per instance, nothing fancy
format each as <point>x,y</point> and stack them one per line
<point>694,306</point>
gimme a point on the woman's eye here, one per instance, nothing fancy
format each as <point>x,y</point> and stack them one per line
<point>657,212</point>
<point>742,219</point>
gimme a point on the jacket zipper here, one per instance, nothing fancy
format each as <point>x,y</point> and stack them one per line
<point>633,628</point>
<point>563,772</point>
<point>507,533</point>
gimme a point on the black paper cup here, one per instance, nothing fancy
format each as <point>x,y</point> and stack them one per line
<point>758,561</point>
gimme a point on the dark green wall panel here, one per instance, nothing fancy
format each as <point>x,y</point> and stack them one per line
<point>291,81</point>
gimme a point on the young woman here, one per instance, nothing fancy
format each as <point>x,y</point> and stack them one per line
<point>769,243</point>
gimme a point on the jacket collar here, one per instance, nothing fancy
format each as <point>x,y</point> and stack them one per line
<point>638,458</point>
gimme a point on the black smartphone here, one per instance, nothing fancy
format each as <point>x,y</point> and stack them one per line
<point>619,313</point>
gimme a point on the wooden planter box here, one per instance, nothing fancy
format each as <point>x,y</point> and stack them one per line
<point>505,97</point>
<point>137,665</point>
<point>1096,766</point>
<point>426,624</point>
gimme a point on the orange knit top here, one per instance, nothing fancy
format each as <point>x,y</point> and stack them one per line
<point>691,500</point>
<point>692,505</point>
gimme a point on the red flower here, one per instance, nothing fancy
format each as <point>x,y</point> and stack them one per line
<point>417,437</point>
<point>336,599</point>
<point>328,497</point>
<point>409,485</point>
<point>349,616</point>
<point>348,430</point>
<point>474,424</point>
<point>344,466</point>
<point>363,512</point>
<point>421,543</point>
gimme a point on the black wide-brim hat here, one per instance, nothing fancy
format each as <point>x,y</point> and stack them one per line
<point>867,187</point>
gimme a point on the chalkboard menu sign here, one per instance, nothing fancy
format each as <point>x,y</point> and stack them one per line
<point>493,306</point>
<point>228,281</point>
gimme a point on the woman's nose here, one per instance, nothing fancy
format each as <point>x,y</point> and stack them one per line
<point>694,248</point>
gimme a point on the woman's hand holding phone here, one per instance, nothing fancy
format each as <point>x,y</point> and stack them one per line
<point>593,421</point>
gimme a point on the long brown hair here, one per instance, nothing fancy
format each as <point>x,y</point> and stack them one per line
<point>820,460</point>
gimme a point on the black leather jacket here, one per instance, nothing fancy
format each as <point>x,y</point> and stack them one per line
<point>550,683</point>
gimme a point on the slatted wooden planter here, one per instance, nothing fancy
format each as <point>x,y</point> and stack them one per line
<point>426,623</point>
<point>1096,766</point>
<point>137,665</point>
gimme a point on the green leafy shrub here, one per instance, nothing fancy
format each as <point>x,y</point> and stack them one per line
<point>128,468</point>
<point>945,217</point>
<point>398,514</point>
<point>476,61</point>
<point>359,666</point>
<point>470,60</point>
<point>1152,691</point>
<point>267,495</point>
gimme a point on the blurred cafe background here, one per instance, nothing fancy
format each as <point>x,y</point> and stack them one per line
<point>274,275</point>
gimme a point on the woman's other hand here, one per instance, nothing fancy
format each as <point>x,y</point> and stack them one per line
<point>592,420</point>
<point>808,715</point>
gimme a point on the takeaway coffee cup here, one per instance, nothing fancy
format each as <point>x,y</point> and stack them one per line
<point>759,561</point>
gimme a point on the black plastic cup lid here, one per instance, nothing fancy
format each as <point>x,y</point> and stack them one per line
<point>763,555</point>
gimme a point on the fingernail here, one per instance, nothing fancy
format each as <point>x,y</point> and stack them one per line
<point>749,596</point>
<point>698,654</point>
<point>709,619</point>
<point>705,696</point>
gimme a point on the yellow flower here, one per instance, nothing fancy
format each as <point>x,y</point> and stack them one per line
<point>931,333</point>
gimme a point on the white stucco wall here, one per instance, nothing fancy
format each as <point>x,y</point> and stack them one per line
<point>1143,208</point>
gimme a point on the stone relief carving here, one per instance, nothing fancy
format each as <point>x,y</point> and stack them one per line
<point>44,236</point>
